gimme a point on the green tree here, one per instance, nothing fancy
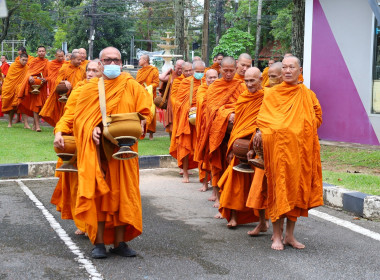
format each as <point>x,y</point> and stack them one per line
<point>282,28</point>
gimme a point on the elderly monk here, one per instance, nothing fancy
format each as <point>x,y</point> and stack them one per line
<point>235,185</point>
<point>108,198</point>
<point>274,74</point>
<point>16,74</point>
<point>68,57</point>
<point>29,103</point>
<point>83,56</point>
<point>220,101</point>
<point>164,79</point>
<point>288,121</point>
<point>300,77</point>
<point>146,76</point>
<point>197,58</point>
<point>242,64</point>
<point>187,71</point>
<point>203,166</point>
<point>4,65</point>
<point>185,136</point>
<point>264,75</point>
<point>53,68</point>
<point>216,63</point>
<point>65,192</point>
<point>71,74</point>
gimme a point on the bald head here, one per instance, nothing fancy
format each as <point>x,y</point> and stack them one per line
<point>76,59</point>
<point>83,53</point>
<point>198,64</point>
<point>270,62</point>
<point>253,79</point>
<point>144,60</point>
<point>109,56</point>
<point>197,58</point>
<point>59,55</point>
<point>109,51</point>
<point>178,67</point>
<point>211,76</point>
<point>92,69</point>
<point>243,63</point>
<point>228,68</point>
<point>187,69</point>
<point>274,74</point>
<point>288,54</point>
<point>291,69</point>
<point>74,51</point>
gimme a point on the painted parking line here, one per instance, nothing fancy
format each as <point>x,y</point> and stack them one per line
<point>346,224</point>
<point>81,259</point>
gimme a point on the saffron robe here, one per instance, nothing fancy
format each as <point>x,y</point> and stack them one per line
<point>114,198</point>
<point>176,83</point>
<point>234,185</point>
<point>216,66</point>
<point>150,76</point>
<point>168,113</point>
<point>265,76</point>
<point>288,119</point>
<point>239,77</point>
<point>4,68</point>
<point>53,69</point>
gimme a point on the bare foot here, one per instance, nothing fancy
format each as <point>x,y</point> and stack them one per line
<point>212,197</point>
<point>9,125</point>
<point>79,232</point>
<point>277,244</point>
<point>218,216</point>
<point>282,238</point>
<point>150,136</point>
<point>259,228</point>
<point>232,224</point>
<point>205,188</point>
<point>294,243</point>
<point>185,179</point>
<point>27,127</point>
<point>216,204</point>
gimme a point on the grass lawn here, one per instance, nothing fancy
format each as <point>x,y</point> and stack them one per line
<point>23,145</point>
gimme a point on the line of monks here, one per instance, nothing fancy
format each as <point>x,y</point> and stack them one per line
<point>273,110</point>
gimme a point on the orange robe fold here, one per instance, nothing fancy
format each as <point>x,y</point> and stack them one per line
<point>234,185</point>
<point>53,109</point>
<point>185,134</point>
<point>4,68</point>
<point>265,77</point>
<point>150,76</point>
<point>219,103</point>
<point>53,69</point>
<point>288,119</point>
<point>215,66</point>
<point>28,102</point>
<point>239,77</point>
<point>173,95</point>
<point>168,113</point>
<point>114,198</point>
<point>11,86</point>
<point>83,64</point>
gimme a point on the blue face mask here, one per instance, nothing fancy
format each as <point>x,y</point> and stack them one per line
<point>198,76</point>
<point>112,71</point>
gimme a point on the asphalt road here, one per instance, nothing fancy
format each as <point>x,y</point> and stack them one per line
<point>181,240</point>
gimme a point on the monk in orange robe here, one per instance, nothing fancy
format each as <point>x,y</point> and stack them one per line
<point>16,74</point>
<point>216,63</point>
<point>203,166</point>
<point>53,69</point>
<point>65,193</point>
<point>265,72</point>
<point>220,101</point>
<point>108,197</point>
<point>235,185</point>
<point>164,78</point>
<point>242,64</point>
<point>71,74</point>
<point>187,71</point>
<point>4,65</point>
<point>29,103</point>
<point>83,56</point>
<point>146,76</point>
<point>288,121</point>
<point>274,75</point>
<point>23,50</point>
<point>186,136</point>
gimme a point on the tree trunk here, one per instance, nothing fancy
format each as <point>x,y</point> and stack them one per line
<point>180,26</point>
<point>258,33</point>
<point>5,23</point>
<point>206,16</point>
<point>298,26</point>
<point>218,18</point>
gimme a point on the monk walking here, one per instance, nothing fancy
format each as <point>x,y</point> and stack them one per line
<point>185,136</point>
<point>220,104</point>
<point>288,121</point>
<point>108,198</point>
<point>203,166</point>
<point>242,64</point>
<point>9,97</point>
<point>83,57</point>
<point>29,103</point>
<point>71,73</point>
<point>146,76</point>
<point>53,69</point>
<point>4,65</point>
<point>235,185</point>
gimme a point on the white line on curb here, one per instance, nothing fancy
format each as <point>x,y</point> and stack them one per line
<point>30,179</point>
<point>346,224</point>
<point>81,259</point>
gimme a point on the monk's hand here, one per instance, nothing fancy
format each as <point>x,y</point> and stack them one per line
<point>31,80</point>
<point>68,85</point>
<point>230,156</point>
<point>193,109</point>
<point>250,154</point>
<point>232,118</point>
<point>257,140</point>
<point>96,135</point>
<point>59,141</point>
<point>143,123</point>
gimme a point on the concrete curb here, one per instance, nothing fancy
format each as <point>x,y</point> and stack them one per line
<point>360,204</point>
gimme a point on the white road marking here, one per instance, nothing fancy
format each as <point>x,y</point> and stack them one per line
<point>81,259</point>
<point>30,179</point>
<point>346,224</point>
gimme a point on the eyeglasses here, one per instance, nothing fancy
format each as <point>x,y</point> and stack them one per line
<point>108,61</point>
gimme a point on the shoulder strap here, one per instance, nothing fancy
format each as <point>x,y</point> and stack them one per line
<point>191,91</point>
<point>168,85</point>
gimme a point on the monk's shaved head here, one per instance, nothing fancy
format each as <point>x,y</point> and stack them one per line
<point>59,55</point>
<point>76,59</point>
<point>253,79</point>
<point>179,62</point>
<point>288,54</point>
<point>74,51</point>
<point>198,63</point>
<point>107,50</point>
<point>197,58</point>
<point>291,69</point>
<point>83,53</point>
<point>275,74</point>
<point>276,66</point>
<point>243,63</point>
<point>211,76</point>
<point>93,70</point>
<point>270,62</point>
<point>145,56</point>
<point>228,60</point>
<point>244,56</point>
<point>187,69</point>
<point>228,68</point>
<point>178,67</point>
<point>144,60</point>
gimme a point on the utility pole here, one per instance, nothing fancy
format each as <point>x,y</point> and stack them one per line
<point>258,31</point>
<point>179,6</point>
<point>206,17</point>
<point>92,31</point>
